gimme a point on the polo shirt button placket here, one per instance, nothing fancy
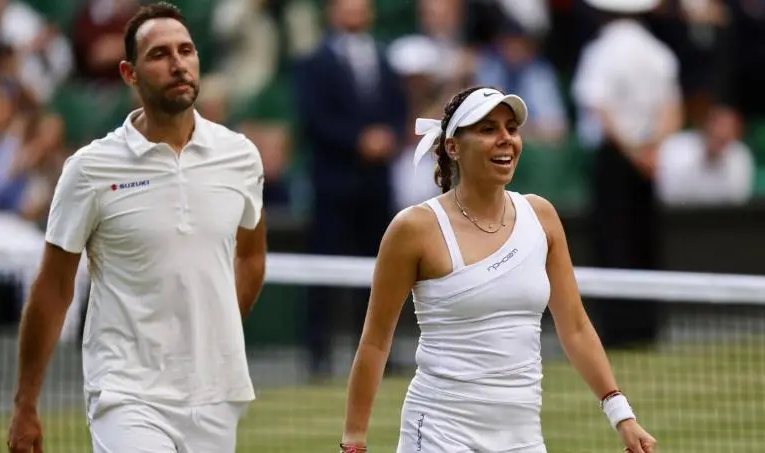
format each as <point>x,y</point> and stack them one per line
<point>183,225</point>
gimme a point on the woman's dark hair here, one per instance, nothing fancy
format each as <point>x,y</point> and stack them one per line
<point>445,168</point>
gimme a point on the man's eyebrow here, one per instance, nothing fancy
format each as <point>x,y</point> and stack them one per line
<point>164,46</point>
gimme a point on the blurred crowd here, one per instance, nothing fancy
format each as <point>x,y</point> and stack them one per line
<point>268,72</point>
<point>329,90</point>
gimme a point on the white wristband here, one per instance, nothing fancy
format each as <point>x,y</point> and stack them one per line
<point>617,409</point>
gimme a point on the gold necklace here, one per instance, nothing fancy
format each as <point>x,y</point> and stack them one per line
<point>475,221</point>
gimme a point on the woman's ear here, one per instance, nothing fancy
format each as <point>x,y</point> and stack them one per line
<point>452,149</point>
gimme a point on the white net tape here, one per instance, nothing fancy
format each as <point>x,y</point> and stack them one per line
<point>700,388</point>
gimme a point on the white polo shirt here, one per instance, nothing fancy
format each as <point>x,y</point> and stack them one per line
<point>160,229</point>
<point>629,73</point>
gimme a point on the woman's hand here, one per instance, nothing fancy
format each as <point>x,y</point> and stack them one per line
<point>636,439</point>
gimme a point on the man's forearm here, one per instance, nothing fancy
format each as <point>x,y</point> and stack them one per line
<point>40,330</point>
<point>249,282</point>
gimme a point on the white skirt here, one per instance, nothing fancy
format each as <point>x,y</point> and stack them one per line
<point>439,420</point>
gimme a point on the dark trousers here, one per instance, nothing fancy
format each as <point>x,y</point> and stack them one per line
<point>349,225</point>
<point>625,236</point>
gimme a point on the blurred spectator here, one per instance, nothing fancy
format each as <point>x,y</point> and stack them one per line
<point>532,15</point>
<point>353,113</point>
<point>418,60</point>
<point>513,64</point>
<point>45,56</point>
<point>212,103</point>
<point>440,20</point>
<point>299,24</point>
<point>706,167</point>
<point>97,38</point>
<point>29,139</point>
<point>248,45</point>
<point>274,143</point>
<point>255,37</point>
<point>272,137</point>
<point>748,51</point>
<point>629,99</point>
<point>562,43</point>
<point>698,32</point>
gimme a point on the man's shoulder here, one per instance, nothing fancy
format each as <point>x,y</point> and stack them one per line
<point>109,147</point>
<point>218,131</point>
<point>226,139</point>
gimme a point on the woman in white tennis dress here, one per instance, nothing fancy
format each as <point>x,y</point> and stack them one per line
<point>483,264</point>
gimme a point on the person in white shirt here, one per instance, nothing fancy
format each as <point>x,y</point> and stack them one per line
<point>627,91</point>
<point>168,208</point>
<point>482,264</point>
<point>706,167</point>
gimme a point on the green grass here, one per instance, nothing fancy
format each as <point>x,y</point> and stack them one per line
<point>705,398</point>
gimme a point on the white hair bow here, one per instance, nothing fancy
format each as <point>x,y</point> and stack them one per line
<point>431,129</point>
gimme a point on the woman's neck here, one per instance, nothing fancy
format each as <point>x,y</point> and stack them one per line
<point>481,202</point>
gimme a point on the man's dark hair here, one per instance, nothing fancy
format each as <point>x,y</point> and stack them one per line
<point>161,10</point>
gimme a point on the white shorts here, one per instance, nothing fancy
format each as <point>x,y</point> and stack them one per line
<point>120,424</point>
<point>437,422</point>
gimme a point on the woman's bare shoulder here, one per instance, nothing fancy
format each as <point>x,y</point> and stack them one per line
<point>404,242</point>
<point>541,205</point>
<point>413,223</point>
<point>547,215</point>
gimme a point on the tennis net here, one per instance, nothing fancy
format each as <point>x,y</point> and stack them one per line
<point>700,387</point>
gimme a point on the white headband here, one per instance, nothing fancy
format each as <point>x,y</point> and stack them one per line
<point>472,110</point>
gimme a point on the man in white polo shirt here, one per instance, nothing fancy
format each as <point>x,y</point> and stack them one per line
<point>169,210</point>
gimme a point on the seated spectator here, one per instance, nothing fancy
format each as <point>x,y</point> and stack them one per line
<point>513,64</point>
<point>706,167</point>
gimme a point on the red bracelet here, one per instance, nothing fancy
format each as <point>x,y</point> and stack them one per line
<point>610,394</point>
<point>345,448</point>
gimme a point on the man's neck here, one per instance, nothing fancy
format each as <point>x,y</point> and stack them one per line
<point>174,130</point>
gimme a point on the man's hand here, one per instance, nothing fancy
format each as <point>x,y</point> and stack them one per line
<point>25,431</point>
<point>644,158</point>
<point>636,439</point>
<point>377,143</point>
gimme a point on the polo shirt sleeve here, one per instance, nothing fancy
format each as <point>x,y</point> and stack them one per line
<point>253,188</point>
<point>72,216</point>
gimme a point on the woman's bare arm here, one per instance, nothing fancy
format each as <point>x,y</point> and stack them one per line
<point>578,337</point>
<point>394,276</point>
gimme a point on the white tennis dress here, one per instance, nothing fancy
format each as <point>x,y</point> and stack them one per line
<point>479,369</point>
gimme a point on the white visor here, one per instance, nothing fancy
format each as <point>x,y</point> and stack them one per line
<point>472,110</point>
<point>624,6</point>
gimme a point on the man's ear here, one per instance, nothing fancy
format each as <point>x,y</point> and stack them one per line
<point>127,72</point>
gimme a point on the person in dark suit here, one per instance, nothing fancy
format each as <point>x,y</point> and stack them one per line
<point>352,112</point>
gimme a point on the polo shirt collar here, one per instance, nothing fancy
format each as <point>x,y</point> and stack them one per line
<point>140,145</point>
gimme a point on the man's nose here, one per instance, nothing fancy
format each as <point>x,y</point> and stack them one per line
<point>178,64</point>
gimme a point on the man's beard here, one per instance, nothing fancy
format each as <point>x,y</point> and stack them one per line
<point>159,101</point>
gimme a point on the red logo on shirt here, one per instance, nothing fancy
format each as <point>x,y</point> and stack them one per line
<point>129,185</point>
